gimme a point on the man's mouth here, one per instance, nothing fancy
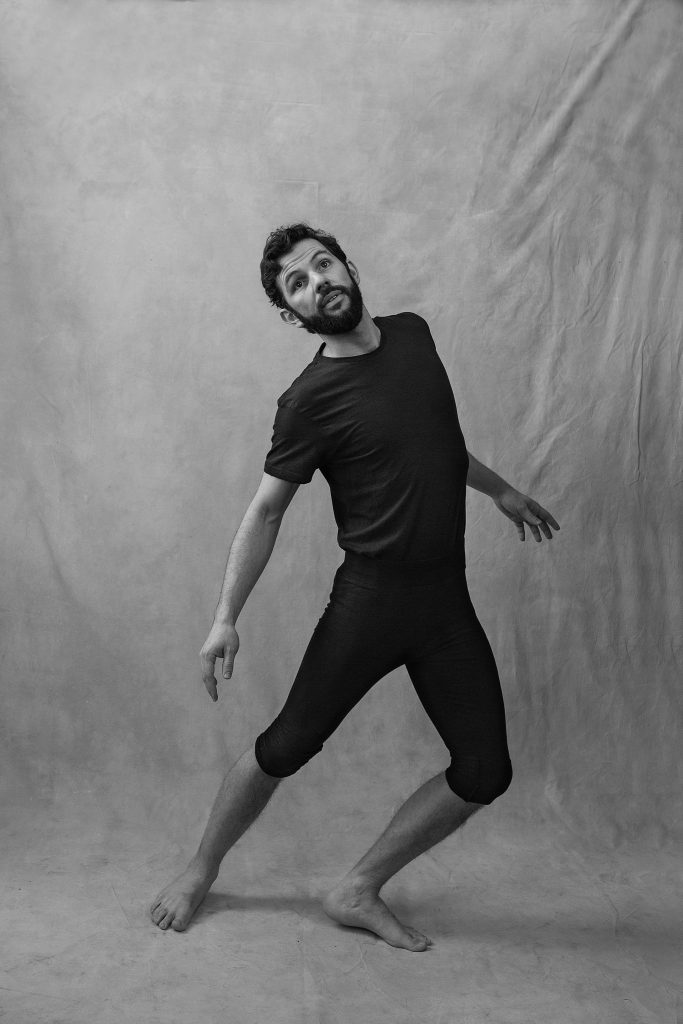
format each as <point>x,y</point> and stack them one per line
<point>331,296</point>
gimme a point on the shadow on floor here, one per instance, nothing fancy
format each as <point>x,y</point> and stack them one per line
<point>443,917</point>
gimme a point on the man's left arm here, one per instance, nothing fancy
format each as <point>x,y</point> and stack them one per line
<point>518,507</point>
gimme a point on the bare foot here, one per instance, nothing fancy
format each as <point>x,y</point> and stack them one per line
<point>175,905</point>
<point>356,905</point>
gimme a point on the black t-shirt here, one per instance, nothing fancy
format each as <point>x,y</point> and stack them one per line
<point>383,430</point>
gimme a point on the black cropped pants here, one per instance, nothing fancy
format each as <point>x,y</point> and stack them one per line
<point>380,616</point>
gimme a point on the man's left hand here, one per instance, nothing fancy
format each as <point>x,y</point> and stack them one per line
<point>521,509</point>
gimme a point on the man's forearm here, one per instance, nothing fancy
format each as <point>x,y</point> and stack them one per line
<point>249,552</point>
<point>483,479</point>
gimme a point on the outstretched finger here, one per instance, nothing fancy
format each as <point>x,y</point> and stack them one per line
<point>544,514</point>
<point>538,524</point>
<point>208,677</point>
<point>519,525</point>
<point>211,687</point>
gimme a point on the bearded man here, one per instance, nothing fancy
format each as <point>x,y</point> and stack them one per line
<point>374,411</point>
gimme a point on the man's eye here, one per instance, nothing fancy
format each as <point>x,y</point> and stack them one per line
<point>297,283</point>
<point>324,263</point>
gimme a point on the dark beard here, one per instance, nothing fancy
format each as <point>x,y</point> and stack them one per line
<point>337,323</point>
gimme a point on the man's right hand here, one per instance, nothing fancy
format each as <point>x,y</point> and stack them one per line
<point>222,642</point>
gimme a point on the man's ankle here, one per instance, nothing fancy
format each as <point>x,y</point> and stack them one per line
<point>205,865</point>
<point>363,882</point>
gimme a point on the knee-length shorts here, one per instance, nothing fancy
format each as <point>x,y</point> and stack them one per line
<point>381,616</point>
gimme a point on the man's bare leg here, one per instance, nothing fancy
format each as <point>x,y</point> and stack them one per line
<point>427,817</point>
<point>244,792</point>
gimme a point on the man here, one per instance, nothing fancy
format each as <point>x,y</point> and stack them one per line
<point>374,411</point>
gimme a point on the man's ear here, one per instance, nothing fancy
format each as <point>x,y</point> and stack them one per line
<point>353,271</point>
<point>290,318</point>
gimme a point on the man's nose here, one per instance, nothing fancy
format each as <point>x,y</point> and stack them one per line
<point>319,281</point>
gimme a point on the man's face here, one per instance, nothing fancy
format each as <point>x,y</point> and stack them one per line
<point>319,289</point>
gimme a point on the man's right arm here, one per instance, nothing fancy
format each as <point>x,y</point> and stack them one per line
<point>250,550</point>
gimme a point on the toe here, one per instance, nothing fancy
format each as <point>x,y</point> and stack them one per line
<point>159,914</point>
<point>418,940</point>
<point>178,924</point>
<point>165,921</point>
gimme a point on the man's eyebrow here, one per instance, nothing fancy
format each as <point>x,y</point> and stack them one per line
<point>297,269</point>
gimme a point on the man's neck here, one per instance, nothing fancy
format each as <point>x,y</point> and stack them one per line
<point>358,342</point>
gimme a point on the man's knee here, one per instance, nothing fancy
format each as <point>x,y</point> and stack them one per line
<point>283,749</point>
<point>478,781</point>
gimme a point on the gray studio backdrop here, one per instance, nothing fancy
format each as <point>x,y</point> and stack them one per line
<point>511,171</point>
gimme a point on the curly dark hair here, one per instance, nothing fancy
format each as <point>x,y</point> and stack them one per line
<point>278,244</point>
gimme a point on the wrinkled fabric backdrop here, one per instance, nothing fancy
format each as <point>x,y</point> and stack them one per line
<point>509,170</point>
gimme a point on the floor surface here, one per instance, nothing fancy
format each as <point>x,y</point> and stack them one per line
<point>525,928</point>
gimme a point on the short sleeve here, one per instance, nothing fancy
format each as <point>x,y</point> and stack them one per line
<point>297,447</point>
<point>423,327</point>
